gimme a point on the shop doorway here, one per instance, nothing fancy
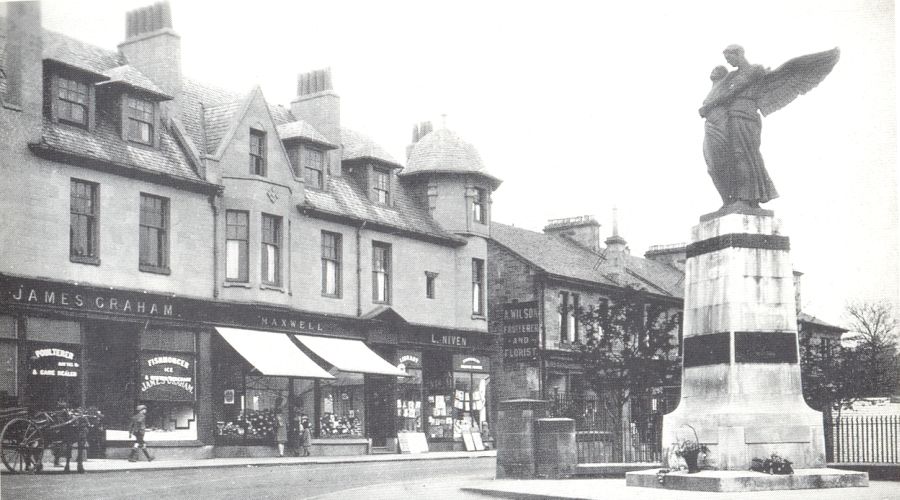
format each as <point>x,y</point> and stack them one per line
<point>380,391</point>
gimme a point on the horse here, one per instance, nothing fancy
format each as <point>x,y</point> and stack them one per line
<point>65,428</point>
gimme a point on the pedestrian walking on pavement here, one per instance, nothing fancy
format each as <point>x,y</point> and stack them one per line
<point>138,428</point>
<point>305,436</point>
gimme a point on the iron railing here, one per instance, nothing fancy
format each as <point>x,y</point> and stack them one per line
<point>871,439</point>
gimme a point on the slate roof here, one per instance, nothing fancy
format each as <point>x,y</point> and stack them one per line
<point>809,318</point>
<point>344,198</point>
<point>218,121</point>
<point>358,146</point>
<point>131,77</point>
<point>194,97</point>
<point>299,129</point>
<point>558,256</point>
<point>80,55</point>
<point>106,144</point>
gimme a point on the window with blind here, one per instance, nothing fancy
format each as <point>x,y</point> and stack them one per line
<point>154,237</point>
<point>140,121</point>
<point>257,152</point>
<point>479,206</point>
<point>478,287</point>
<point>271,250</point>
<point>331,264</point>
<point>237,231</point>
<point>83,223</point>
<point>381,272</point>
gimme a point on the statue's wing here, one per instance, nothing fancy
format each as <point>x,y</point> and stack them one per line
<point>793,78</point>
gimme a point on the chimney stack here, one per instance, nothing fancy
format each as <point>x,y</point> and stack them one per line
<point>23,57</point>
<point>582,230</point>
<point>420,130</point>
<point>153,47</point>
<point>317,104</point>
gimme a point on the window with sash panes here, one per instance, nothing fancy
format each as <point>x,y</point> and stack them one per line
<point>382,186</point>
<point>479,206</point>
<point>257,152</point>
<point>331,264</point>
<point>154,238</point>
<point>313,162</point>
<point>72,101</point>
<point>271,250</point>
<point>478,287</point>
<point>83,227</point>
<point>237,231</point>
<point>140,120</point>
<point>381,272</point>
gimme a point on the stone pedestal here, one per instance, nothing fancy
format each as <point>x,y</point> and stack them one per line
<point>741,391</point>
<point>515,437</point>
<point>557,454</point>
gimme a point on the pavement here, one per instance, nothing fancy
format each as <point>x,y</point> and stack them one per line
<point>612,489</point>
<point>119,465</point>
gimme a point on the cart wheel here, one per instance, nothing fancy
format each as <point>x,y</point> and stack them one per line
<point>22,445</point>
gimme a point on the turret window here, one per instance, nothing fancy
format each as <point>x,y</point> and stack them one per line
<point>479,206</point>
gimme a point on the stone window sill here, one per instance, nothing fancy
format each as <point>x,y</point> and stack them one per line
<point>154,269</point>
<point>236,284</point>
<point>83,259</point>
<point>272,287</point>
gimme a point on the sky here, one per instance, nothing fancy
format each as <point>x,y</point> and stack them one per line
<point>584,106</point>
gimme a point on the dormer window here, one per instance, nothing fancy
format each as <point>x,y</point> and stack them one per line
<point>73,99</point>
<point>313,164</point>
<point>257,152</point>
<point>381,186</point>
<point>139,126</point>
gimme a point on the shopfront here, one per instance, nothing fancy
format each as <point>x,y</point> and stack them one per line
<point>220,379</point>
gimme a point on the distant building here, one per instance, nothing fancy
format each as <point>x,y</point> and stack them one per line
<point>228,262</point>
<point>565,266</point>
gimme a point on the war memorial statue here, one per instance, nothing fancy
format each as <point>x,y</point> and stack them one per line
<point>734,126</point>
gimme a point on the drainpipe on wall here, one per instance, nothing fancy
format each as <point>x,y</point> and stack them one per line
<point>359,269</point>
<point>214,200</point>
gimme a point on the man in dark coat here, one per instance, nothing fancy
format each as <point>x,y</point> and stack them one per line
<point>138,428</point>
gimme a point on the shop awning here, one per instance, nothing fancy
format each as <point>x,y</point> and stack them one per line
<point>272,353</point>
<point>349,355</point>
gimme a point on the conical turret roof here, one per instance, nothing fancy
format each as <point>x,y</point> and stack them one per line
<point>443,151</point>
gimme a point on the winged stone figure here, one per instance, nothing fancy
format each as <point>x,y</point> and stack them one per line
<point>734,126</point>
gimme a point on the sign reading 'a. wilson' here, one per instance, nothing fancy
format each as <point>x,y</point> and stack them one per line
<point>521,331</point>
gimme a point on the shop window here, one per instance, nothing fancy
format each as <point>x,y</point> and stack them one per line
<point>456,396</point>
<point>237,230</point>
<point>271,250</point>
<point>342,407</point>
<point>9,383</point>
<point>83,224</point>
<point>331,264</point>
<point>410,401</point>
<point>53,363</point>
<point>154,237</point>
<point>381,272</point>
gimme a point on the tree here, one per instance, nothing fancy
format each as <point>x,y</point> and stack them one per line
<point>834,376</point>
<point>630,349</point>
<point>875,334</point>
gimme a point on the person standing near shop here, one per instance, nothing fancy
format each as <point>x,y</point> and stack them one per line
<point>305,437</point>
<point>138,428</point>
<point>280,430</point>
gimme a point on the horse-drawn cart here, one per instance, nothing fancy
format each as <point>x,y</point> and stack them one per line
<point>24,438</point>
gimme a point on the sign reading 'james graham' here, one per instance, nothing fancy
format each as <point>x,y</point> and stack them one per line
<point>521,331</point>
<point>69,296</point>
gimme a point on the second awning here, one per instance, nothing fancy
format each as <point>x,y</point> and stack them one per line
<point>272,353</point>
<point>349,355</point>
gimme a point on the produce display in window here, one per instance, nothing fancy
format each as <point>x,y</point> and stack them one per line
<point>440,422</point>
<point>333,426</point>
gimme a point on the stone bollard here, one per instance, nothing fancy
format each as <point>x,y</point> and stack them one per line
<point>555,448</point>
<point>515,437</point>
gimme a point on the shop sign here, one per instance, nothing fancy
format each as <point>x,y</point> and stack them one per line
<point>290,324</point>
<point>53,362</point>
<point>454,340</point>
<point>521,331</point>
<point>408,360</point>
<point>75,297</point>
<point>469,363</point>
<point>167,377</point>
